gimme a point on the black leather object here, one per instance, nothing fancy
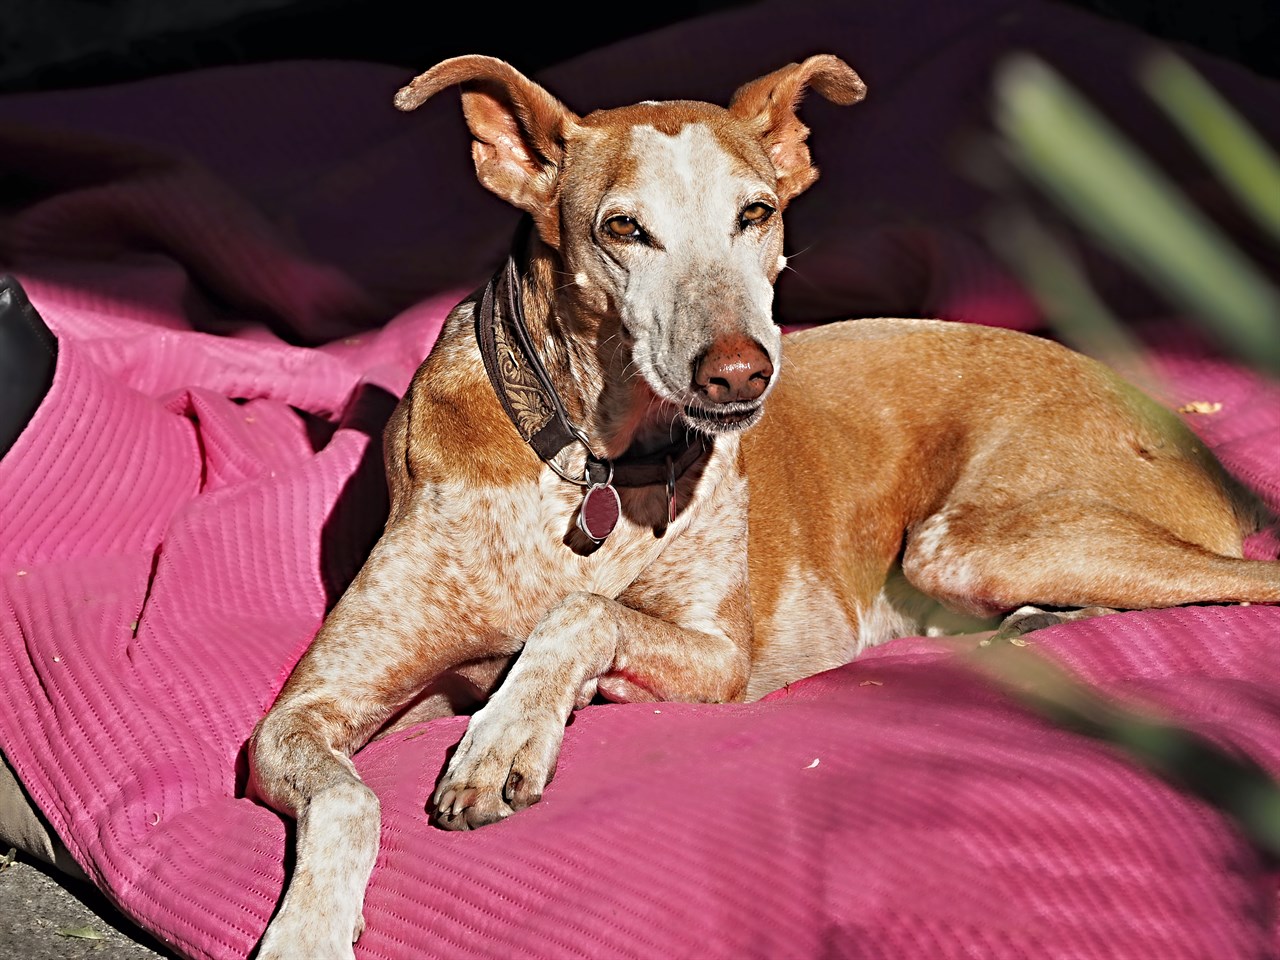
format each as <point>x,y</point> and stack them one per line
<point>28,351</point>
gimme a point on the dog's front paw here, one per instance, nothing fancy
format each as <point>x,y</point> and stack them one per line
<point>295,936</point>
<point>501,766</point>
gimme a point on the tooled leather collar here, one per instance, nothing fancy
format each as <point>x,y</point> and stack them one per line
<point>530,399</point>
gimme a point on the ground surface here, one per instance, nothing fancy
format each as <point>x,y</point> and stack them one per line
<point>46,919</point>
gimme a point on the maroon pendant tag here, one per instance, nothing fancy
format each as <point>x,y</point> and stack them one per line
<point>599,512</point>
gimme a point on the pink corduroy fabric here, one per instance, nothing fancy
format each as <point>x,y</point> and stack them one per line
<point>244,267</point>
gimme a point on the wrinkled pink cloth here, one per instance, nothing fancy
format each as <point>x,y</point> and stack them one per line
<point>244,267</point>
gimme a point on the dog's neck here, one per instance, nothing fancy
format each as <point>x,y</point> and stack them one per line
<point>588,355</point>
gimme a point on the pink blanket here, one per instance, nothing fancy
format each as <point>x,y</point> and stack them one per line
<point>244,267</point>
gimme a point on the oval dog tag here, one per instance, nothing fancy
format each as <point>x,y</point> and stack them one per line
<point>599,512</point>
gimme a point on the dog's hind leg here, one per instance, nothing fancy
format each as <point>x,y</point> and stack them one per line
<point>1069,551</point>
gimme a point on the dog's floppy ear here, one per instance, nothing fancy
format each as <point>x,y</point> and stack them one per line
<point>769,106</point>
<point>519,131</point>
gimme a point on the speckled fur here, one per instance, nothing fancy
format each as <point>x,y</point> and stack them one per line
<point>894,466</point>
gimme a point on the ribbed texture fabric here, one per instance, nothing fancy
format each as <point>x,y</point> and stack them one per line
<point>245,266</point>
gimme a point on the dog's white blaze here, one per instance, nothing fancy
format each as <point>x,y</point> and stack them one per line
<point>686,190</point>
<point>685,157</point>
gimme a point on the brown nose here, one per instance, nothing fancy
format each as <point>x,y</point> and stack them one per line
<point>734,368</point>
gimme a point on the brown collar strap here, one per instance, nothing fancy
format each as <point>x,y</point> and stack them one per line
<point>534,407</point>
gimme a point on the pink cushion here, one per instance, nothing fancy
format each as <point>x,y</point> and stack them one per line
<point>244,267</point>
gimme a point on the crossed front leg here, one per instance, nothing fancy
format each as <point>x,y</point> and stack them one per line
<point>585,644</point>
<point>382,644</point>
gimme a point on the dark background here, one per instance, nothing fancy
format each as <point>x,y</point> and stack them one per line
<point>52,44</point>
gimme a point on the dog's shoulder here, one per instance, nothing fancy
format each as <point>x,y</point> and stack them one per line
<point>450,424</point>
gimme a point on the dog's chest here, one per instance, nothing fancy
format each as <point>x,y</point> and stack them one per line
<point>499,552</point>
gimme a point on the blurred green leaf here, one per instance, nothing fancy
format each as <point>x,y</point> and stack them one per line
<point>1060,286</point>
<point>1232,782</point>
<point>1235,151</point>
<point>1119,196</point>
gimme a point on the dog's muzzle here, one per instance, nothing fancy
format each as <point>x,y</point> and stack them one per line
<point>716,421</point>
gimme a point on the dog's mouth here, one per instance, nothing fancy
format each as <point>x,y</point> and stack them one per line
<point>729,420</point>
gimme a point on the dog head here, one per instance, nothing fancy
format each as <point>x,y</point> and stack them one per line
<point>666,215</point>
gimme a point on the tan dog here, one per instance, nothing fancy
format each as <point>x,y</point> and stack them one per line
<point>573,479</point>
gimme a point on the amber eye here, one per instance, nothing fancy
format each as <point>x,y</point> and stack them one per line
<point>755,213</point>
<point>624,227</point>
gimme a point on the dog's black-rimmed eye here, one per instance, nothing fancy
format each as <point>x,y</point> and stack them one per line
<point>624,228</point>
<point>754,214</point>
